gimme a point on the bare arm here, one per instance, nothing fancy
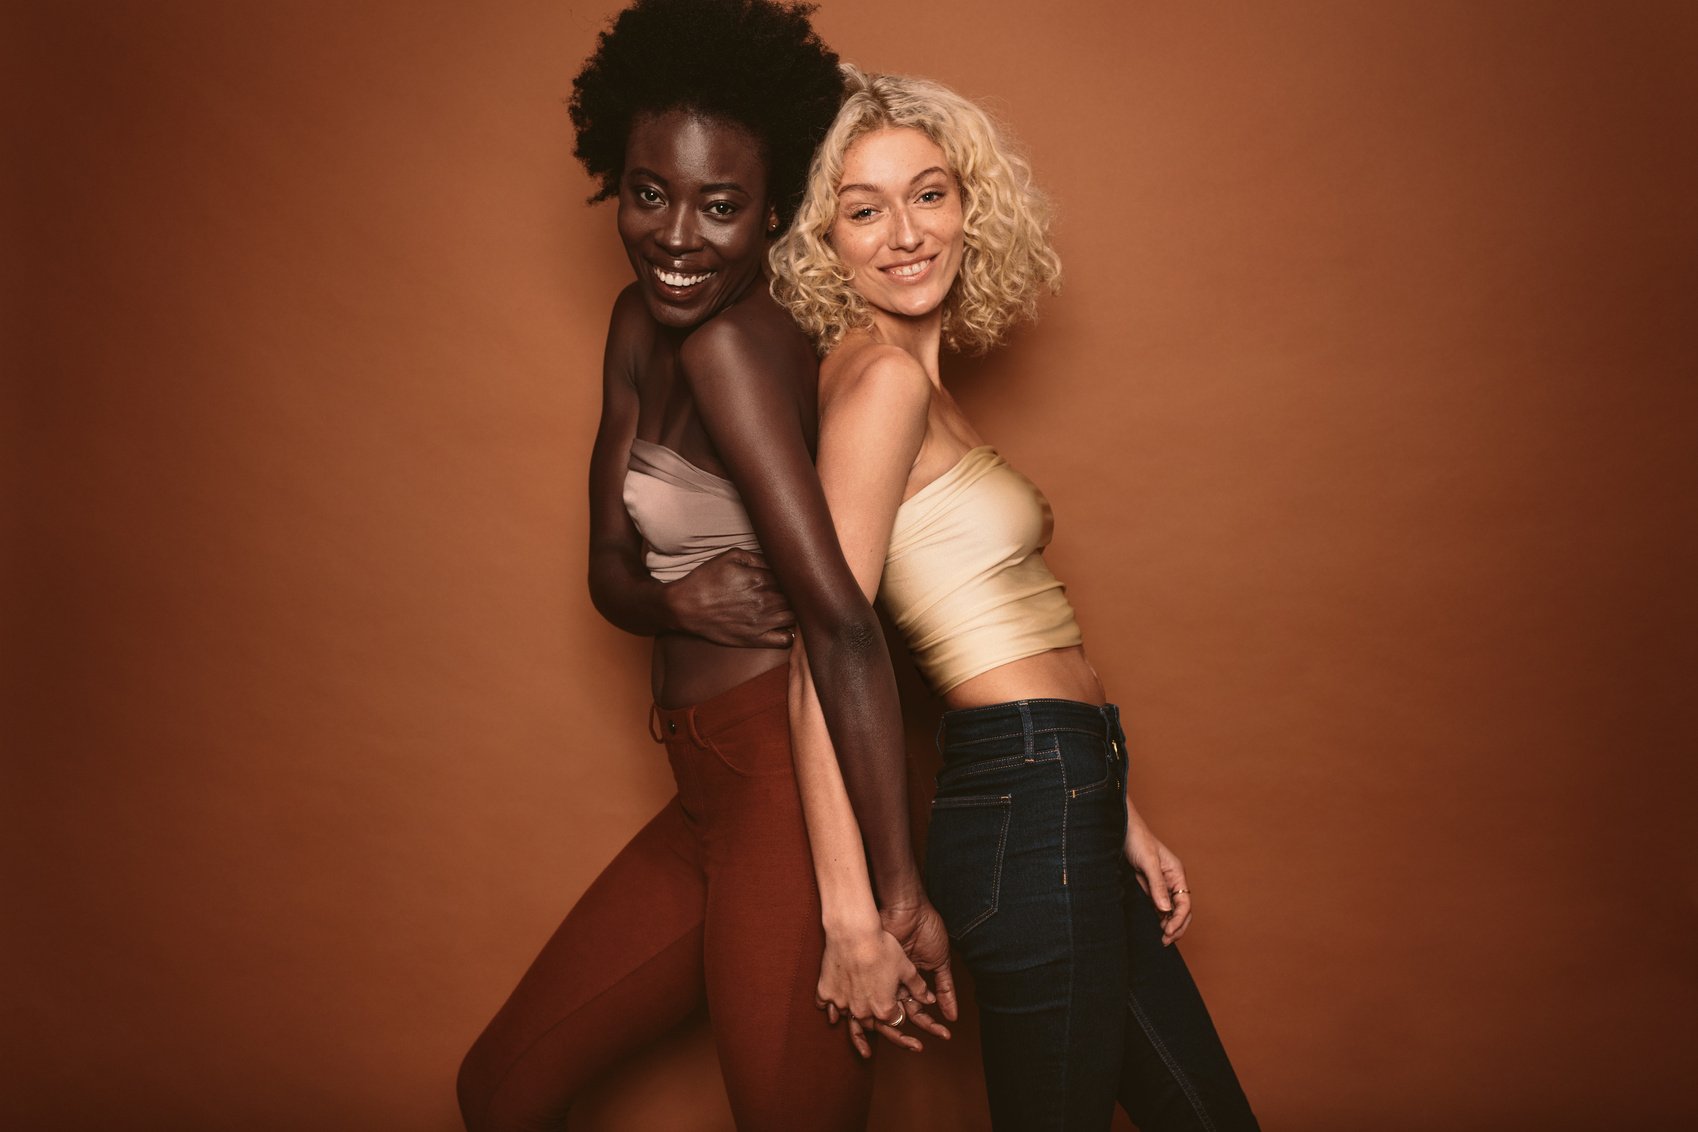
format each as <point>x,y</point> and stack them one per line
<point>864,968</point>
<point>869,437</point>
<point>746,400</point>
<point>732,599</point>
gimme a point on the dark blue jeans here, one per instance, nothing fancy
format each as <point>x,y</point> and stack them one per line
<point>1079,1003</point>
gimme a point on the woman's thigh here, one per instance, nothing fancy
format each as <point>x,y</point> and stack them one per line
<point>785,1068</point>
<point>624,967</point>
<point>1023,861</point>
<point>1176,1076</point>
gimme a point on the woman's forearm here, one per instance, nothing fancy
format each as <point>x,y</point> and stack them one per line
<point>840,863</point>
<point>852,716</point>
<point>628,596</point>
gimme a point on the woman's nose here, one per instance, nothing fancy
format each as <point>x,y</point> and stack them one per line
<point>903,233</point>
<point>679,234</point>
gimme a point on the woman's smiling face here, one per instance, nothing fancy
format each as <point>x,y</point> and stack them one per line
<point>898,227</point>
<point>693,214</point>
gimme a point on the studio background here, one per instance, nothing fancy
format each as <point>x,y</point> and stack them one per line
<point>1367,414</point>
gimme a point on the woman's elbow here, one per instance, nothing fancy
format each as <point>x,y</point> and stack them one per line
<point>847,635</point>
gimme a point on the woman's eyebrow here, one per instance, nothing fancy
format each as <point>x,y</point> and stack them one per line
<point>916,179</point>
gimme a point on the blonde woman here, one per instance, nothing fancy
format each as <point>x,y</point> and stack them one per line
<point>920,230</point>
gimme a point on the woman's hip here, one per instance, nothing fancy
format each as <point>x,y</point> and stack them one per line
<point>1028,821</point>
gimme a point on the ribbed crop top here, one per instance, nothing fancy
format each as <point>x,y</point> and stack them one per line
<point>965,579</point>
<point>686,515</point>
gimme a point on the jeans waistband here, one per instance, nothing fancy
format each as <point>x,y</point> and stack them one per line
<point>968,733</point>
<point>769,690</point>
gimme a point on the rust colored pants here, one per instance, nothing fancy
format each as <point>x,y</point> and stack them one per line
<point>713,900</point>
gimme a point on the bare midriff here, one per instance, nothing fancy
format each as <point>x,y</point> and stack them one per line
<point>1059,674</point>
<point>690,670</point>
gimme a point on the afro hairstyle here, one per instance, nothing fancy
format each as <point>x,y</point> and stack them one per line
<point>754,63</point>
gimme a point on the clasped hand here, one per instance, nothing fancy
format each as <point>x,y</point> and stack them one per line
<point>733,599</point>
<point>874,971</point>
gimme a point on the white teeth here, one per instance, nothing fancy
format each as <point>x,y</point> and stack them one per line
<point>910,269</point>
<point>675,279</point>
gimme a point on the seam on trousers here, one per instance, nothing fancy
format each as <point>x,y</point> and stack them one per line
<point>1172,1063</point>
<point>1072,944</point>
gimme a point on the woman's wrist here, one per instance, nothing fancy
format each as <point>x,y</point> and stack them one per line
<point>850,919</point>
<point>666,607</point>
<point>900,886</point>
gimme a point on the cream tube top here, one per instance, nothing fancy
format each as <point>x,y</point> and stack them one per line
<point>965,580</point>
<point>686,515</point>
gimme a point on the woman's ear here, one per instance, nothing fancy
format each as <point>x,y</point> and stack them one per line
<point>771,219</point>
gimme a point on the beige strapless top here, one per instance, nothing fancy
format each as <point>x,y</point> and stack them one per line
<point>965,579</point>
<point>686,515</point>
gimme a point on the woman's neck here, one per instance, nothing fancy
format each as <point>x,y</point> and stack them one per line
<point>921,337</point>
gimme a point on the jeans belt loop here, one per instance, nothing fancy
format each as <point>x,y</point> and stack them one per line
<point>942,726</point>
<point>1026,725</point>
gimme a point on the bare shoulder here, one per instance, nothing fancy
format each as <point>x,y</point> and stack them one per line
<point>862,370</point>
<point>630,331</point>
<point>752,338</point>
<point>630,318</point>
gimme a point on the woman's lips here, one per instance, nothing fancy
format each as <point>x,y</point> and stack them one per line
<point>910,272</point>
<point>679,283</point>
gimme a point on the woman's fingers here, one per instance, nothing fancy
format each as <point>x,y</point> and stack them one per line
<point>1178,917</point>
<point>920,1018</point>
<point>1176,921</point>
<point>895,1036</point>
<point>914,987</point>
<point>888,1023</point>
<point>858,1038</point>
<point>943,981</point>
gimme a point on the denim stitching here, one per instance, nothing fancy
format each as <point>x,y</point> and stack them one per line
<point>1063,728</point>
<point>1172,1063</point>
<point>1002,801</point>
<point>1072,947</point>
<point>944,741</point>
<point>960,770</point>
<point>1066,811</point>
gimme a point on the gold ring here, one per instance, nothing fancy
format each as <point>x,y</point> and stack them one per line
<point>1177,891</point>
<point>901,1017</point>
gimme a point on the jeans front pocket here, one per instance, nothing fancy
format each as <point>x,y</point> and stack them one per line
<point>964,858</point>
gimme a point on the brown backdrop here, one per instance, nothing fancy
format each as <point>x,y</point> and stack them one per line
<point>1368,415</point>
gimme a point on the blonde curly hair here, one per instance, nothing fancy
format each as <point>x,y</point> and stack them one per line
<point>1007,259</point>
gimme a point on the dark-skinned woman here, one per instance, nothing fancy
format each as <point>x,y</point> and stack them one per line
<point>707,521</point>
